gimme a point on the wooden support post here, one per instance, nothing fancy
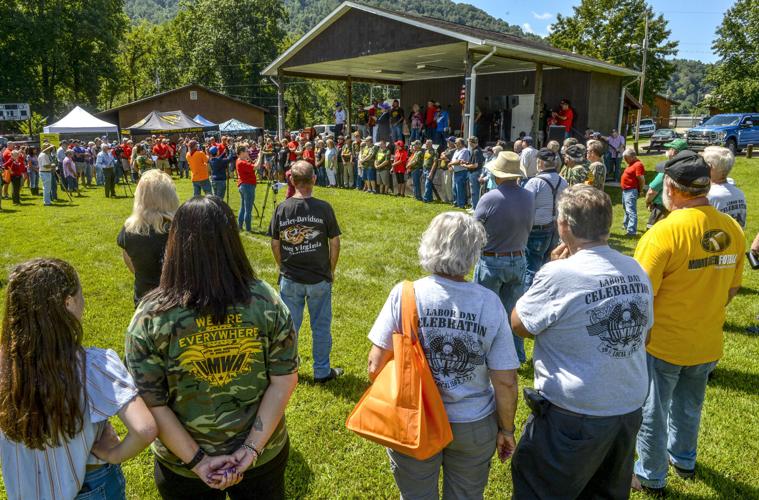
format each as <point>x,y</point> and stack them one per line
<point>750,151</point>
<point>280,106</point>
<point>538,105</point>
<point>465,118</point>
<point>349,107</point>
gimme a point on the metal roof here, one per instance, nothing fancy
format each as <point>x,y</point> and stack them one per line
<point>477,39</point>
<point>179,89</point>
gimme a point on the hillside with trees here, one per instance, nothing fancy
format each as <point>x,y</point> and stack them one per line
<point>688,86</point>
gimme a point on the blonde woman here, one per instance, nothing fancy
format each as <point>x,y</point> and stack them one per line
<point>330,162</point>
<point>143,237</point>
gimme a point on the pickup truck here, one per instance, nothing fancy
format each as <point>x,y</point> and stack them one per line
<point>734,131</point>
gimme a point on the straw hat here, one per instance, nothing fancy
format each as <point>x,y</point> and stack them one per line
<point>505,165</point>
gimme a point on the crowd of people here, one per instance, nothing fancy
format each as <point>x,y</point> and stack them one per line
<point>621,361</point>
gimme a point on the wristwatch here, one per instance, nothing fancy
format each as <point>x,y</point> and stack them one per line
<point>199,455</point>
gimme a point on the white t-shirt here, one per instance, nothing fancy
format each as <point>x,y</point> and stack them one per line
<point>339,117</point>
<point>729,200</point>
<point>528,162</point>
<point>43,160</point>
<point>590,314</point>
<point>465,332</point>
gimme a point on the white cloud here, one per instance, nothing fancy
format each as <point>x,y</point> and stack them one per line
<point>527,28</point>
<point>543,17</point>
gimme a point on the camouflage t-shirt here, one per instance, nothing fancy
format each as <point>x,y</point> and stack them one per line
<point>213,376</point>
<point>576,175</point>
<point>596,175</point>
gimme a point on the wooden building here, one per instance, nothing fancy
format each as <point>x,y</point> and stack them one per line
<point>507,79</point>
<point>194,100</point>
<point>660,111</point>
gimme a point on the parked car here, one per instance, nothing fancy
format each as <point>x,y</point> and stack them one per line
<point>324,130</point>
<point>734,131</point>
<point>647,128</point>
<point>660,138</point>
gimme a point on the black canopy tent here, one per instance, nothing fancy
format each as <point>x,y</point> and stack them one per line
<point>167,122</point>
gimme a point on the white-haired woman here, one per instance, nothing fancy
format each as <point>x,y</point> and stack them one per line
<point>723,194</point>
<point>143,237</point>
<point>465,335</point>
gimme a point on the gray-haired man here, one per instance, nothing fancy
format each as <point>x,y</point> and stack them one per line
<point>589,311</point>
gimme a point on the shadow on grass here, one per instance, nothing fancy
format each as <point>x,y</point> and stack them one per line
<point>298,476</point>
<point>348,386</point>
<point>724,486</point>
<point>4,210</point>
<point>748,291</point>
<point>735,380</point>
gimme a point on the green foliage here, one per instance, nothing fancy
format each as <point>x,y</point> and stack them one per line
<point>613,31</point>
<point>379,247</point>
<point>736,76</point>
<point>33,126</point>
<point>154,11</point>
<point>58,52</point>
<point>688,86</point>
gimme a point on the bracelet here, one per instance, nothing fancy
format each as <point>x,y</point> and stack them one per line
<point>507,433</point>
<point>252,448</point>
<point>199,455</point>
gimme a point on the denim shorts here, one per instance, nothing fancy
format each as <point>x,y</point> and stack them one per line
<point>104,483</point>
<point>370,174</point>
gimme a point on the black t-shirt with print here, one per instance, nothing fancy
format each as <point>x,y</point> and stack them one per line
<point>396,116</point>
<point>304,227</point>
<point>146,253</point>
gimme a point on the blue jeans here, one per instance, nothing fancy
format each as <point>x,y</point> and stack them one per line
<point>671,418</point>
<point>459,188</point>
<point>219,188</point>
<point>198,185</point>
<point>416,178</point>
<point>247,197</point>
<point>47,181</point>
<point>630,201</point>
<point>99,177</point>
<point>359,182</point>
<point>540,244</point>
<point>319,298</point>
<point>105,483</point>
<point>504,275</point>
<point>396,132</point>
<point>427,196</point>
<point>474,184</point>
<point>416,134</point>
<point>615,167</point>
<point>34,179</point>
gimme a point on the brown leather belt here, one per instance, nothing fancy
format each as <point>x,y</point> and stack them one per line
<point>93,467</point>
<point>518,253</point>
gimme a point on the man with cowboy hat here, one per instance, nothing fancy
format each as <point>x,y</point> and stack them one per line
<point>507,213</point>
<point>47,172</point>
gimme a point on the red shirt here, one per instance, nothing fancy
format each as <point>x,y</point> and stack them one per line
<point>222,148</point>
<point>309,156</point>
<point>7,154</point>
<point>127,154</point>
<point>429,121</point>
<point>17,168</point>
<point>569,117</point>
<point>400,155</point>
<point>292,146</point>
<point>246,172</point>
<point>630,175</point>
<point>162,151</point>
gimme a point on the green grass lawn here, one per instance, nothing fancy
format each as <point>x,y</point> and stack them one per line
<point>380,238</point>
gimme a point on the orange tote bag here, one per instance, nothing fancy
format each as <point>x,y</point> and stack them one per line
<point>402,409</point>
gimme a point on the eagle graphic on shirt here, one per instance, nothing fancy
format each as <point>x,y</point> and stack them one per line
<point>297,234</point>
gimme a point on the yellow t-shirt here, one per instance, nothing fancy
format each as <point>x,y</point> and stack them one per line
<point>693,257</point>
<point>198,162</point>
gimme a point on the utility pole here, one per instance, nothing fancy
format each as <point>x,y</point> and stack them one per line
<point>642,83</point>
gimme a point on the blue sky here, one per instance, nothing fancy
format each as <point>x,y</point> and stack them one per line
<point>692,22</point>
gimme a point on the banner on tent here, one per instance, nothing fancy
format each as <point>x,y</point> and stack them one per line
<point>54,139</point>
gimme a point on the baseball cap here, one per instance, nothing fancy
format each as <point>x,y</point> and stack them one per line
<point>576,152</point>
<point>399,144</point>
<point>451,138</point>
<point>677,144</point>
<point>527,139</point>
<point>689,169</point>
<point>546,154</point>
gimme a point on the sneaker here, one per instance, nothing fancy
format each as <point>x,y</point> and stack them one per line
<point>686,474</point>
<point>333,374</point>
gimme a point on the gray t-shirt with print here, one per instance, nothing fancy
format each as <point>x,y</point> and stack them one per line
<point>464,332</point>
<point>590,315</point>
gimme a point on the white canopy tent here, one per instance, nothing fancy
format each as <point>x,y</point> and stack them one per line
<point>78,121</point>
